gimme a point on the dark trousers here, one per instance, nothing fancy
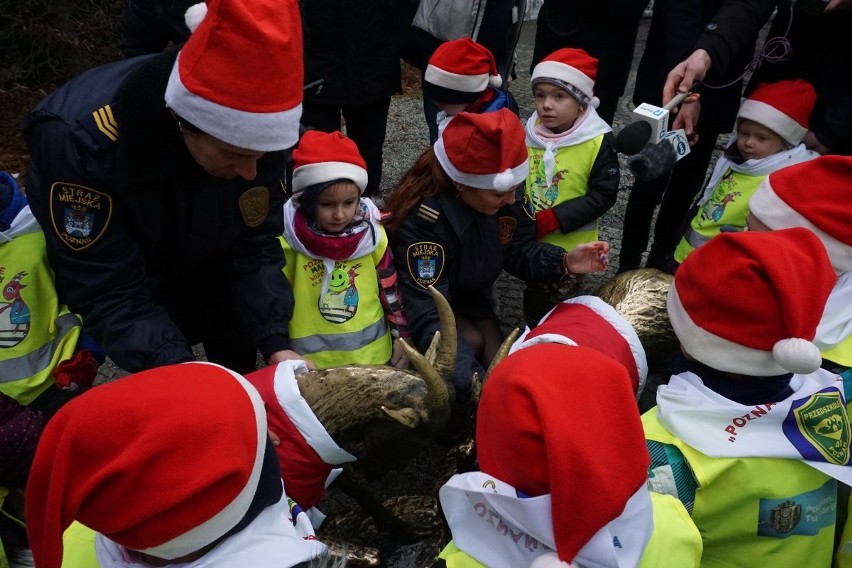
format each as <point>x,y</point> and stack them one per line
<point>365,125</point>
<point>674,193</point>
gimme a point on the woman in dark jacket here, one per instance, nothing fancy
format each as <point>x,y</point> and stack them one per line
<point>457,219</point>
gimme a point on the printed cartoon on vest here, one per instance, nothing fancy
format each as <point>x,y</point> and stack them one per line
<point>14,314</point>
<point>544,194</point>
<point>340,302</point>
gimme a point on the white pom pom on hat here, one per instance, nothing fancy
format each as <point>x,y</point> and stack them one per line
<point>797,355</point>
<point>194,15</point>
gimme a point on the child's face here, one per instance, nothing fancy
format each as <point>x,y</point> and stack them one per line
<point>337,205</point>
<point>556,108</point>
<point>755,141</point>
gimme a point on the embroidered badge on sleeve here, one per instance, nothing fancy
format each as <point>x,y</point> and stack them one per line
<point>506,228</point>
<point>425,262</point>
<point>79,214</point>
<point>254,206</point>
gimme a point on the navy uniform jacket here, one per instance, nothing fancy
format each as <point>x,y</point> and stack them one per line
<point>129,215</point>
<point>446,244</point>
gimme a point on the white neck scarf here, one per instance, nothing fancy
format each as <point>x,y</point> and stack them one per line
<point>797,427</point>
<point>501,530</point>
<point>757,167</point>
<point>591,126</point>
<point>368,243</point>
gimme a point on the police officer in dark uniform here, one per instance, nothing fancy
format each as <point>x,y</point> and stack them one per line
<point>457,218</point>
<point>158,181</point>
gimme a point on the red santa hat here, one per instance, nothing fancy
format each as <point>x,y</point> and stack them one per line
<point>539,428</point>
<point>783,107</point>
<point>571,69</point>
<point>590,322</point>
<point>750,302</point>
<point>485,151</point>
<point>324,157</point>
<point>307,454</point>
<point>460,71</point>
<point>815,195</point>
<point>239,76</point>
<point>140,460</point>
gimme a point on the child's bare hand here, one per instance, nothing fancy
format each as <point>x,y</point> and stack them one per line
<point>399,359</point>
<point>587,257</point>
<point>287,355</point>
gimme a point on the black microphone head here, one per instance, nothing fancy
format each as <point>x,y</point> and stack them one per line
<point>653,161</point>
<point>633,137</point>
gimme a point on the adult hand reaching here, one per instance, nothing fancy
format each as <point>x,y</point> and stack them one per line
<point>686,74</point>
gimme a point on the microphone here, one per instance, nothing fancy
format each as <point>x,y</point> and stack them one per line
<point>655,160</point>
<point>650,124</point>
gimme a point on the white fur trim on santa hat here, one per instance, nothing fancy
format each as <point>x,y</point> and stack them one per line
<point>503,181</point>
<point>730,357</point>
<point>226,519</point>
<point>261,132</point>
<point>571,75</point>
<point>321,172</point>
<point>303,418</point>
<point>195,15</point>
<point>776,214</point>
<point>456,82</point>
<point>767,115</point>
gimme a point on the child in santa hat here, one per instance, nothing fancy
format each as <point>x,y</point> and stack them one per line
<point>462,76</point>
<point>457,218</point>
<point>815,195</point>
<point>348,309</point>
<point>750,433</point>
<point>563,472</point>
<point>573,167</point>
<point>167,496</point>
<point>771,125</point>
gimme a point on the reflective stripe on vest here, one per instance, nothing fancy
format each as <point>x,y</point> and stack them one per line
<point>346,341</point>
<point>572,167</point>
<point>728,205</point>
<point>782,510</point>
<point>36,332</point>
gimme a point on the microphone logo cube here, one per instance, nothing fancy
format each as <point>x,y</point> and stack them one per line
<point>657,117</point>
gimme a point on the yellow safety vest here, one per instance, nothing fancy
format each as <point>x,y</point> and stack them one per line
<point>674,542</point>
<point>348,324</point>
<point>840,353</point>
<point>570,180</point>
<point>78,547</point>
<point>36,332</point>
<point>779,511</point>
<point>728,205</point>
